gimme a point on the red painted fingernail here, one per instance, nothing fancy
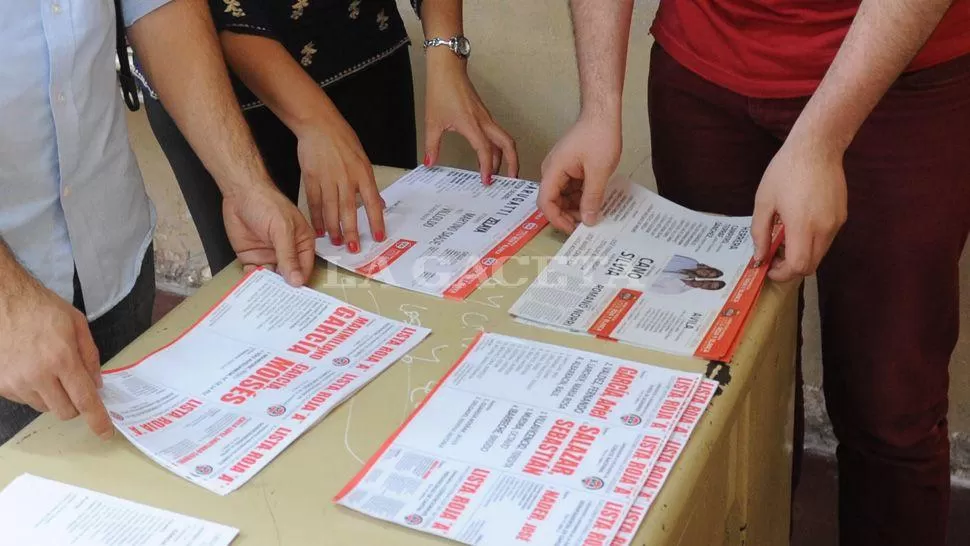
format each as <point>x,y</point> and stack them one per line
<point>427,160</point>
<point>353,247</point>
<point>488,180</point>
<point>336,241</point>
<point>379,236</point>
<point>319,233</point>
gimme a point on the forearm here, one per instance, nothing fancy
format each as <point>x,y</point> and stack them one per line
<point>180,52</point>
<point>884,38</point>
<point>15,277</point>
<point>270,72</point>
<point>442,19</point>
<point>602,33</point>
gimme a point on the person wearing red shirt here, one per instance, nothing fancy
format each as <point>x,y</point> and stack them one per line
<point>848,120</point>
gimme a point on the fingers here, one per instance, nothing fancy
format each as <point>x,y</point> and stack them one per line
<point>506,144</point>
<point>432,143</point>
<point>483,148</point>
<point>287,262</point>
<point>331,213</point>
<point>86,348</point>
<point>84,398</point>
<point>57,400</point>
<point>31,398</point>
<point>348,216</point>
<point>554,182</point>
<point>373,205</point>
<point>761,224</point>
<point>314,201</point>
<point>594,188</point>
<point>797,259</point>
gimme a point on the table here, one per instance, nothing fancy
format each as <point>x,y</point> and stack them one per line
<point>731,486</point>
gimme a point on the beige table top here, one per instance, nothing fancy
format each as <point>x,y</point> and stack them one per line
<point>289,502</point>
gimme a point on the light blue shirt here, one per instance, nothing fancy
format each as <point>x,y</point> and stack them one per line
<point>71,194</point>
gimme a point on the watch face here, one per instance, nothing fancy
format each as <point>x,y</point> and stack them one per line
<point>464,46</point>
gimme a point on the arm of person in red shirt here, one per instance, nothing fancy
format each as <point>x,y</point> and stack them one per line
<point>451,102</point>
<point>178,47</point>
<point>804,185</point>
<point>577,170</point>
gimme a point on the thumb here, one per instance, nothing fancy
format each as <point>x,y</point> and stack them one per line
<point>594,187</point>
<point>432,143</point>
<point>761,224</point>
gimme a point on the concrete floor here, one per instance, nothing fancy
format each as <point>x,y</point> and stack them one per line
<point>815,512</point>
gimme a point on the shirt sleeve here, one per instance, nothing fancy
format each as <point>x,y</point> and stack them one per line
<point>134,10</point>
<point>242,16</point>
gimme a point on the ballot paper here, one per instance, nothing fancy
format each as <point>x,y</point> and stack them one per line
<point>447,232</point>
<point>668,457</point>
<point>39,512</point>
<point>252,375</point>
<point>525,442</point>
<point>652,274</point>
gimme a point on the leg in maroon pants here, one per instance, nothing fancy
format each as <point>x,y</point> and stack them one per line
<point>887,289</point>
<point>889,297</point>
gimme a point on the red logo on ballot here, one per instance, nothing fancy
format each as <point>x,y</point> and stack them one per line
<point>203,470</point>
<point>413,519</point>
<point>631,419</point>
<point>275,411</point>
<point>593,483</point>
<point>341,361</point>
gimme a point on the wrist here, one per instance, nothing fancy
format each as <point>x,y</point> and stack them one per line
<point>605,114</point>
<point>440,59</point>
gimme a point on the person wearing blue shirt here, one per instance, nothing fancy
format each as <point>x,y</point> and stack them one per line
<point>75,221</point>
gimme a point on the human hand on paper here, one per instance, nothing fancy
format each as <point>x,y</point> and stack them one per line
<point>266,229</point>
<point>335,169</point>
<point>50,361</point>
<point>804,186</point>
<point>452,104</point>
<point>577,170</point>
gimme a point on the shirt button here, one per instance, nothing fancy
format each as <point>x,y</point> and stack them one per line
<point>56,8</point>
<point>61,98</point>
<point>66,192</point>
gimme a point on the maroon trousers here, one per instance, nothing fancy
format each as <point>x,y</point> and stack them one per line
<point>889,286</point>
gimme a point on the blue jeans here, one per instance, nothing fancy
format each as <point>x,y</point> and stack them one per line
<point>112,332</point>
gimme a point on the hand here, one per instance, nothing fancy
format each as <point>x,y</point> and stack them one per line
<point>804,185</point>
<point>452,104</point>
<point>334,170</point>
<point>577,170</point>
<point>50,361</point>
<point>266,229</point>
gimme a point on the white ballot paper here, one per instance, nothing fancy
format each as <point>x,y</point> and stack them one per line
<point>256,372</point>
<point>39,512</point>
<point>668,457</point>
<point>448,232</point>
<point>525,442</point>
<point>653,274</point>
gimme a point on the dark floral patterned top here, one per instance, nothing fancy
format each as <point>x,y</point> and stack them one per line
<point>331,39</point>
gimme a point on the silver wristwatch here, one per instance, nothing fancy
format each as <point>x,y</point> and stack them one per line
<point>458,44</point>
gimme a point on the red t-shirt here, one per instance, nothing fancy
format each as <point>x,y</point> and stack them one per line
<point>780,48</point>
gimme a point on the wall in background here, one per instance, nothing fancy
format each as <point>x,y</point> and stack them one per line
<point>524,68</point>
